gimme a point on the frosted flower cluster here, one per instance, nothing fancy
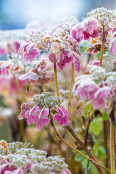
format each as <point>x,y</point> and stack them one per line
<point>103,15</point>
<point>97,71</point>
<point>46,100</point>
<point>21,158</point>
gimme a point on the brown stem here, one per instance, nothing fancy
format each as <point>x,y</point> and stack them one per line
<point>106,140</point>
<point>102,47</point>
<point>90,118</point>
<point>79,141</point>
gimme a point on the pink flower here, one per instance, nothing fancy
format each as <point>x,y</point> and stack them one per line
<point>112,47</point>
<point>30,53</point>
<point>99,100</point>
<point>31,115</point>
<point>77,33</point>
<point>62,116</point>
<point>88,28</point>
<point>24,108</point>
<point>93,62</point>
<point>31,76</point>
<point>77,65</point>
<point>42,119</point>
<point>5,67</point>
<point>87,88</point>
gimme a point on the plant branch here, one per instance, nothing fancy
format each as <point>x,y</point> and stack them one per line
<point>90,118</point>
<point>112,148</point>
<point>70,92</point>
<point>55,78</point>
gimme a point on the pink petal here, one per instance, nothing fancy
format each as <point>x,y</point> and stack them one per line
<point>23,77</point>
<point>61,64</point>
<point>34,53</point>
<point>74,34</point>
<point>94,34</point>
<point>25,56</point>
<point>45,121</point>
<point>22,115</point>
<point>52,57</point>
<point>34,118</point>
<point>59,110</point>
<point>34,110</point>
<point>43,113</point>
<point>69,59</point>
<point>27,114</point>
<point>57,118</point>
<point>86,35</point>
<point>62,122</point>
<point>39,125</point>
<point>29,120</point>
<point>32,76</point>
<point>65,120</point>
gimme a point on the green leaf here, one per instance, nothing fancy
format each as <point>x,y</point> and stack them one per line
<point>105,116</point>
<point>96,126</point>
<point>82,159</point>
<point>99,150</point>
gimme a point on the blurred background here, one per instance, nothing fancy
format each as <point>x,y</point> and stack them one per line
<point>14,14</point>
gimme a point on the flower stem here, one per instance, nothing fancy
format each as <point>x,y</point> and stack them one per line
<point>70,92</point>
<point>31,89</point>
<point>102,47</point>
<point>21,127</point>
<point>55,77</point>
<point>112,148</point>
<point>44,88</point>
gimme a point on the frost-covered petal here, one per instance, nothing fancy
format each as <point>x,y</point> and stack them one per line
<point>21,115</point>
<point>52,57</point>
<point>43,113</point>
<point>34,118</point>
<point>34,110</point>
<point>57,118</point>
<point>62,122</point>
<point>29,120</point>
<point>27,114</point>
<point>65,120</point>
<point>39,125</point>
<point>45,121</point>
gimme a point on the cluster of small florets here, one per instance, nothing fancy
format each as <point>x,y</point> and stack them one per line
<point>103,14</point>
<point>111,79</point>
<point>29,160</point>
<point>46,100</point>
<point>97,71</point>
